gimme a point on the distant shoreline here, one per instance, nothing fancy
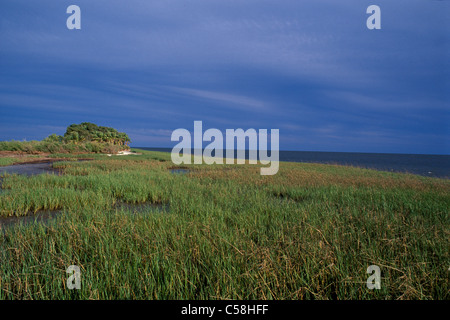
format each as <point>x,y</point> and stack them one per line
<point>161,149</point>
<point>427,165</point>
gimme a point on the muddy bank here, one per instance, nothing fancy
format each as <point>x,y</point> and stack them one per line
<point>20,154</point>
<point>48,160</point>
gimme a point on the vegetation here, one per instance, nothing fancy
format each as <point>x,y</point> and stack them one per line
<point>91,132</point>
<point>79,138</point>
<point>224,232</point>
<point>6,161</point>
<point>36,147</point>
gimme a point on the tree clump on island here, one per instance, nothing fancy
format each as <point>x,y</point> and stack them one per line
<point>84,137</point>
<point>87,131</point>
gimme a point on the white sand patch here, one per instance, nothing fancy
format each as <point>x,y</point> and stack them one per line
<point>124,153</point>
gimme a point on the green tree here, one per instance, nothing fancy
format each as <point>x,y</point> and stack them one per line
<point>87,132</point>
<point>54,138</point>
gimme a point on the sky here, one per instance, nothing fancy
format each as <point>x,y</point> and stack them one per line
<point>311,69</point>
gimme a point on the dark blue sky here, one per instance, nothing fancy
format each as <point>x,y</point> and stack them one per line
<point>311,69</point>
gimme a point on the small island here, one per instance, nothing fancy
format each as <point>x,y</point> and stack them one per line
<point>83,138</point>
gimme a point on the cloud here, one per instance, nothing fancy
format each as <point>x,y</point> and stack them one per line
<point>310,68</point>
<point>227,100</point>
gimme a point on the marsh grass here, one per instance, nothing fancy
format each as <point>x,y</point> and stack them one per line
<point>309,232</point>
<point>36,147</point>
<point>7,161</point>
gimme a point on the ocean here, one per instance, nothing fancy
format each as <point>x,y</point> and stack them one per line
<point>421,164</point>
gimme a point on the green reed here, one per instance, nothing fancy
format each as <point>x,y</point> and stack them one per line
<point>225,232</point>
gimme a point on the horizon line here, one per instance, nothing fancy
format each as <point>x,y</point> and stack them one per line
<point>397,153</point>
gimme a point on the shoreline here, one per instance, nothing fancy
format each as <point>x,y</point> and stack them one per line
<point>430,166</point>
<point>48,160</point>
<point>34,158</point>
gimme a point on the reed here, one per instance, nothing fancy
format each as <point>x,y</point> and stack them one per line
<point>37,147</point>
<point>226,232</point>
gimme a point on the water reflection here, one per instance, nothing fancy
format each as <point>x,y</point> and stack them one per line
<point>43,216</point>
<point>29,169</point>
<point>179,171</point>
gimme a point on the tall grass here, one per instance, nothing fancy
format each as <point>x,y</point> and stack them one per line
<point>35,147</point>
<point>309,232</point>
<point>6,161</point>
